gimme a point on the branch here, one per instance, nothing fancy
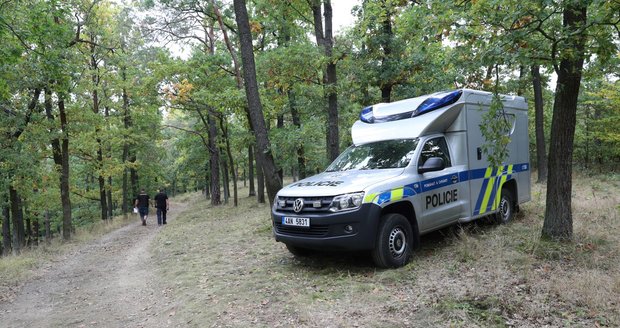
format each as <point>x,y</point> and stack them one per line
<point>204,141</point>
<point>85,197</point>
<point>19,38</point>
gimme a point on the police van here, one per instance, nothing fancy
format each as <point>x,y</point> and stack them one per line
<point>415,166</point>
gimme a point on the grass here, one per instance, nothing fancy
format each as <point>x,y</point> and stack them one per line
<point>225,269</point>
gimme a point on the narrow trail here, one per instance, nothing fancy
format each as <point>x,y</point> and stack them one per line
<point>109,282</point>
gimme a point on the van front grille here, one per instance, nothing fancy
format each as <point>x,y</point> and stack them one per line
<point>311,204</point>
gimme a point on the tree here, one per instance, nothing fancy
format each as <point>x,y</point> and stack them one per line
<point>254,104</point>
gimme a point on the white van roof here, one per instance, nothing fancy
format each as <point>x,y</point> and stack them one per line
<point>415,117</point>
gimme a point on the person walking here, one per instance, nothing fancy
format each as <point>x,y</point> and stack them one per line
<point>142,203</point>
<point>162,205</point>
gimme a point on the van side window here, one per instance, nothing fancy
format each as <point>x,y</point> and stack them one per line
<point>436,147</point>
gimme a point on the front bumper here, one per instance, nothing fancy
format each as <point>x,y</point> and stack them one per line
<point>327,230</point>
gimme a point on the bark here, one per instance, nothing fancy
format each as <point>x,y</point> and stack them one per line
<point>48,227</point>
<point>233,172</point>
<point>103,206</point>
<point>520,84</point>
<point>67,226</point>
<point>35,235</point>
<point>541,152</point>
<point>326,41</point>
<point>60,149</point>
<point>214,161</point>
<point>6,231</point>
<point>558,222</point>
<point>109,196</point>
<point>224,166</point>
<point>251,171</point>
<point>127,203</point>
<point>260,182</point>
<point>255,107</point>
<point>301,156</point>
<point>133,176</point>
<point>386,44</point>
<point>19,240</point>
<point>27,218</point>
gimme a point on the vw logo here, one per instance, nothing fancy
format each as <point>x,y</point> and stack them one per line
<point>298,205</point>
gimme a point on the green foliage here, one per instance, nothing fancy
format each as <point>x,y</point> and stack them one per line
<point>495,128</point>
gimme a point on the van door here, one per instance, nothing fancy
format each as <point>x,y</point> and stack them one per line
<point>440,190</point>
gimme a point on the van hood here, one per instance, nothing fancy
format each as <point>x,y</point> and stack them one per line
<point>337,183</point>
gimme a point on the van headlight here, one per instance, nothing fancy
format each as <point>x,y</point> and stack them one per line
<point>347,202</point>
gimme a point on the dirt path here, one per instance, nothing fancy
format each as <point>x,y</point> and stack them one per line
<point>109,282</point>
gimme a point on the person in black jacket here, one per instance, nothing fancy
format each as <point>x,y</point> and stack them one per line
<point>142,203</point>
<point>162,205</point>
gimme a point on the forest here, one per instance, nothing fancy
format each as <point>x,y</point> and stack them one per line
<point>101,98</point>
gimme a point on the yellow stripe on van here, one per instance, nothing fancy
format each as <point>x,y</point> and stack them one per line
<point>370,198</point>
<point>501,184</point>
<point>397,194</point>
<point>489,190</point>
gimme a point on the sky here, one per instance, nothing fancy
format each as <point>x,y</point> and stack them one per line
<point>342,13</point>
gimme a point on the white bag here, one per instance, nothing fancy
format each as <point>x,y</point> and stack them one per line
<point>135,210</point>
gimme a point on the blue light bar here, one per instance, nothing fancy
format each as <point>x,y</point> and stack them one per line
<point>433,103</point>
<point>366,115</point>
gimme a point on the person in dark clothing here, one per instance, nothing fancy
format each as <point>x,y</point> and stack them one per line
<point>142,203</point>
<point>162,205</point>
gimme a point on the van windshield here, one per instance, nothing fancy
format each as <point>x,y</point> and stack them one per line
<point>388,154</point>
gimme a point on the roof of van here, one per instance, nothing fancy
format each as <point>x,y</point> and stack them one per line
<point>414,117</point>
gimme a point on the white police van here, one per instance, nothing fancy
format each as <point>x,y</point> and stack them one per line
<point>415,166</point>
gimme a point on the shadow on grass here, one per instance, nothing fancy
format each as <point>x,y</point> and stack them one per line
<point>361,261</point>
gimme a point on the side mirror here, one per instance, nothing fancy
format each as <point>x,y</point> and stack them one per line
<point>431,165</point>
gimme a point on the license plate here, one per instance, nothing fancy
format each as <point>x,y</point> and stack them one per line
<point>298,222</point>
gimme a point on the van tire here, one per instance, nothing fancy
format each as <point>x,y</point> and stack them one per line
<point>394,242</point>
<point>506,208</point>
<point>298,251</point>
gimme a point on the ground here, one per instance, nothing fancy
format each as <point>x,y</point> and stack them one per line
<point>220,267</point>
<point>109,282</point>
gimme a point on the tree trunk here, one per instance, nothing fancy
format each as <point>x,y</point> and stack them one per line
<point>520,83</point>
<point>541,152</point>
<point>558,215</point>
<point>27,218</point>
<point>214,161</point>
<point>255,107</point>
<point>127,204</point>
<point>67,225</point>
<point>35,235</point>
<point>99,158</point>
<point>326,41</point>
<point>59,161</point>
<point>386,44</point>
<point>251,171</point>
<point>19,239</point>
<point>233,172</point>
<point>224,166</point>
<point>133,176</point>
<point>301,156</point>
<point>109,196</point>
<point>48,227</point>
<point>260,182</point>
<point>6,230</point>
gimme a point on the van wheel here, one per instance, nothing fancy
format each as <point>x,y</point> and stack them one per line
<point>298,251</point>
<point>394,242</point>
<point>506,208</point>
